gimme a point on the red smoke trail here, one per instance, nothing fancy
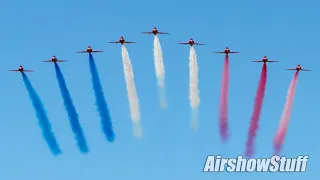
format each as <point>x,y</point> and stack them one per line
<point>223,108</point>
<point>256,111</point>
<point>284,122</point>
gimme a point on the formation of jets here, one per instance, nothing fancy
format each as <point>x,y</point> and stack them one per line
<point>154,31</point>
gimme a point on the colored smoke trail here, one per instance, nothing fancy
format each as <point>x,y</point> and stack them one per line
<point>71,110</point>
<point>42,117</point>
<point>101,103</point>
<point>284,122</point>
<point>223,107</point>
<point>160,71</point>
<point>193,89</point>
<point>132,93</point>
<point>256,111</point>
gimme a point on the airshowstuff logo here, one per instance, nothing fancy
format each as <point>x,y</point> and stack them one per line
<point>240,164</point>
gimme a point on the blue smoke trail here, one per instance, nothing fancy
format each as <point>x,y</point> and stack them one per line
<point>71,110</point>
<point>101,103</point>
<point>42,117</point>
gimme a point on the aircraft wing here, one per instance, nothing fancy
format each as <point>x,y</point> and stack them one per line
<point>47,61</point>
<point>272,61</point>
<point>305,70</point>
<point>14,70</point>
<point>163,33</point>
<point>234,52</point>
<point>183,43</point>
<point>257,61</point>
<point>198,44</point>
<point>82,52</point>
<point>96,51</point>
<point>115,42</point>
<point>147,32</point>
<point>220,52</point>
<point>128,42</point>
<point>27,70</point>
<point>292,69</point>
<point>62,61</point>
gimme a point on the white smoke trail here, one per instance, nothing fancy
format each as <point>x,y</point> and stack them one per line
<point>132,93</point>
<point>160,71</point>
<point>194,90</point>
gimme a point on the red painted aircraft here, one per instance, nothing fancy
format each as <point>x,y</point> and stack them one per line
<point>155,32</point>
<point>21,69</point>
<point>89,50</point>
<point>54,60</point>
<point>191,42</point>
<point>227,51</point>
<point>122,41</point>
<point>298,68</point>
<point>265,60</point>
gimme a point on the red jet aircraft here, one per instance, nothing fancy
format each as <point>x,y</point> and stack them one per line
<point>298,68</point>
<point>122,41</point>
<point>21,69</point>
<point>89,50</point>
<point>155,32</point>
<point>265,60</point>
<point>191,42</point>
<point>227,51</point>
<point>54,60</point>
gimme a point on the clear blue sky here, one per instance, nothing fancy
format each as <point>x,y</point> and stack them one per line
<point>35,30</point>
